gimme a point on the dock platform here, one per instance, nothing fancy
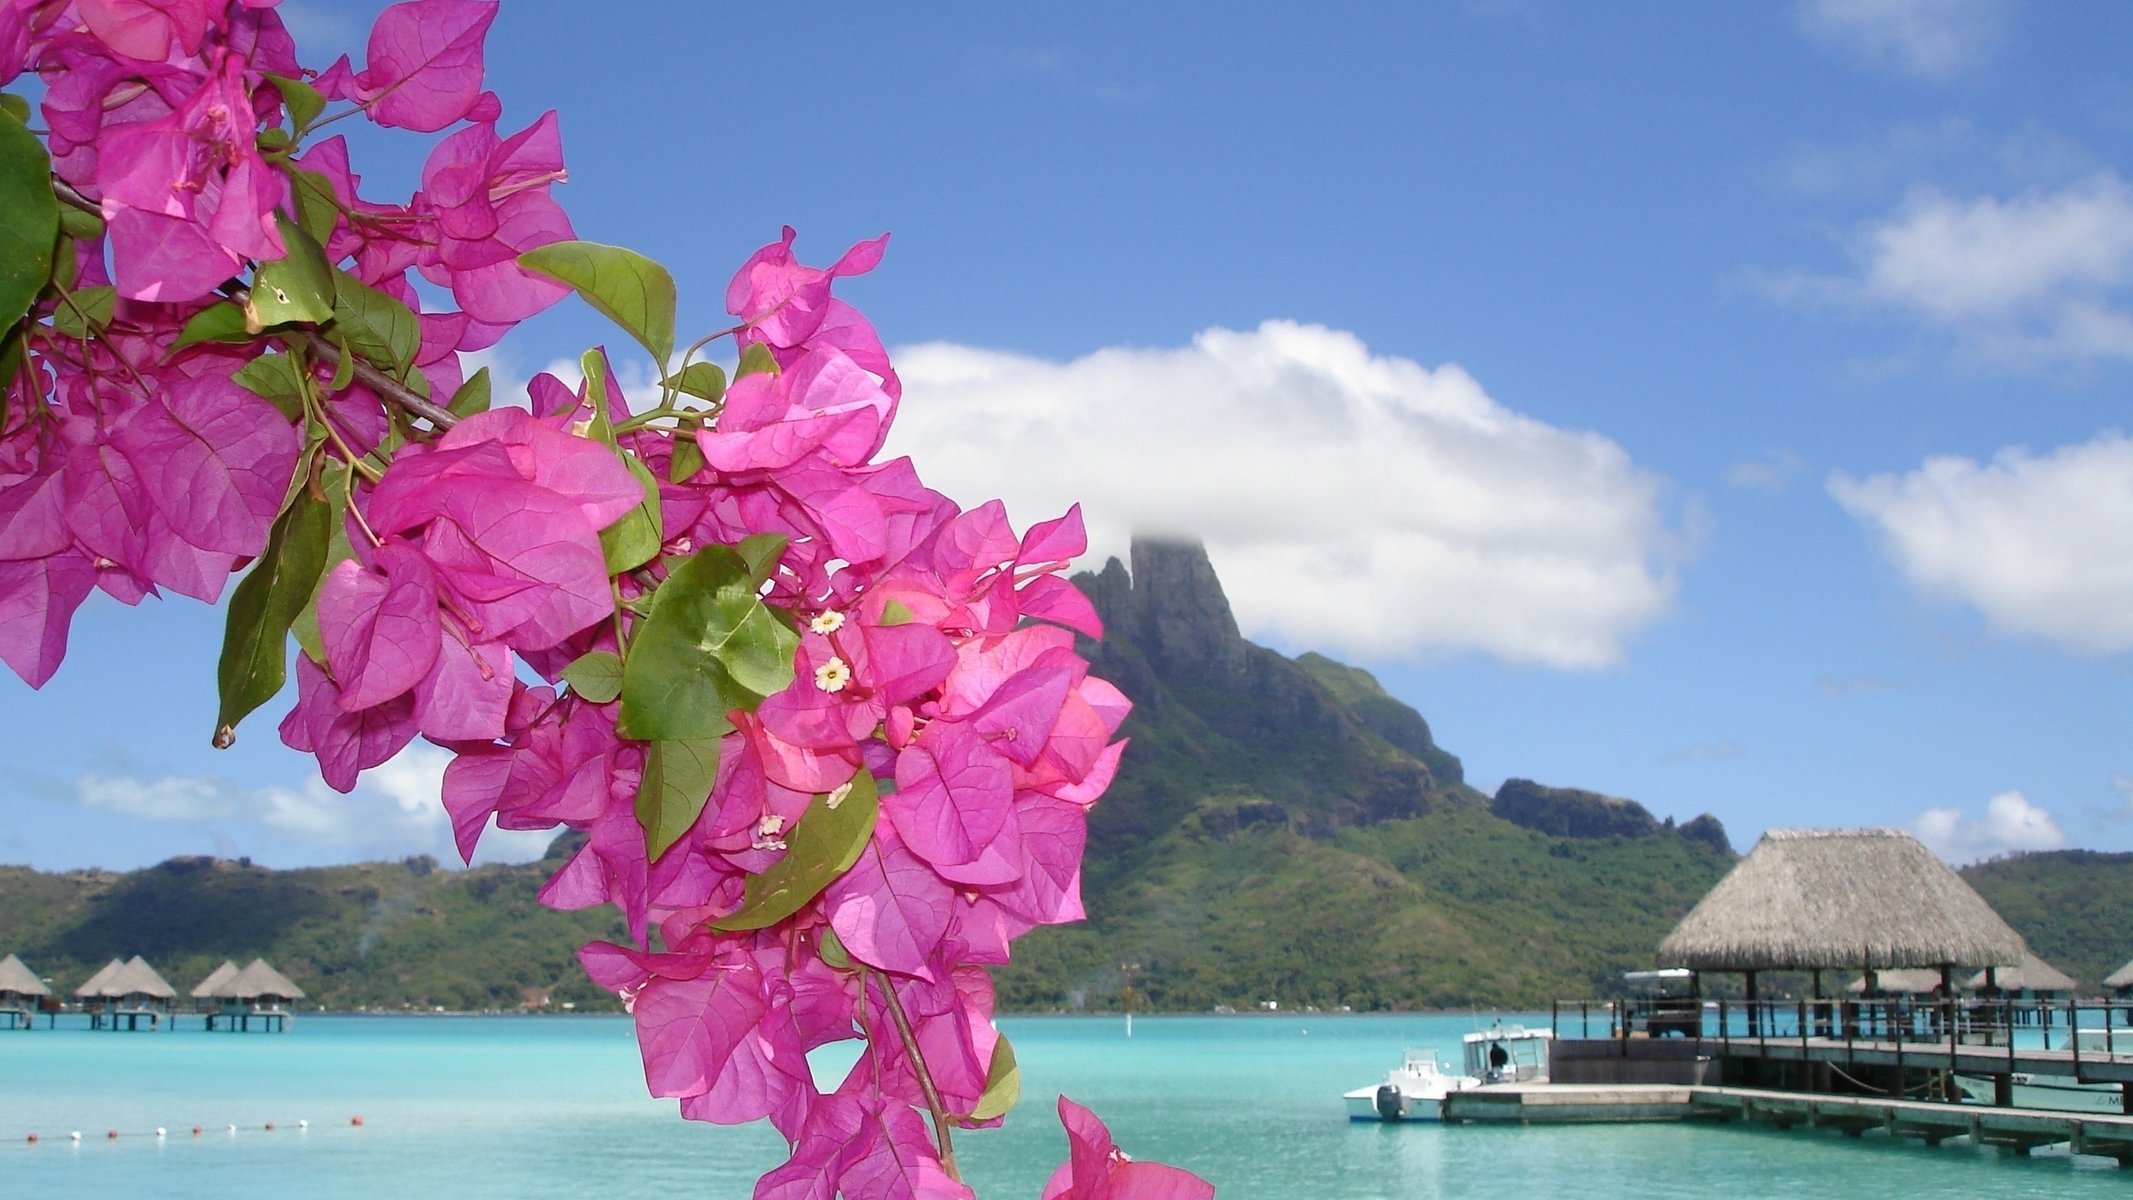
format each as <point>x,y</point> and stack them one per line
<point>2016,1130</point>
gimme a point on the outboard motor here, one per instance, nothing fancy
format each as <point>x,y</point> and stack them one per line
<point>1391,1105</point>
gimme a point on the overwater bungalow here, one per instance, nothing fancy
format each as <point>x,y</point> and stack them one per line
<point>122,995</point>
<point>258,994</point>
<point>1902,981</point>
<point>2032,979</point>
<point>1817,900</point>
<point>21,993</point>
<point>2121,982</point>
<point>206,990</point>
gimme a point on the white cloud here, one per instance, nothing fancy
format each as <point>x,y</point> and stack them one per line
<point>394,811</point>
<point>1349,501</point>
<point>2043,276</point>
<point>2042,546</point>
<point>2011,824</point>
<point>1773,472</point>
<point>1933,39</point>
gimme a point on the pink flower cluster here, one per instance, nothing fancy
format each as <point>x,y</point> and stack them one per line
<point>231,345</point>
<point>132,463</point>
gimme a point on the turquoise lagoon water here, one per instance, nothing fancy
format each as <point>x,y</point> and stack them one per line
<point>480,1107</point>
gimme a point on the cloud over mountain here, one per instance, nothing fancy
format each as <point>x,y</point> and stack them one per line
<point>1351,501</point>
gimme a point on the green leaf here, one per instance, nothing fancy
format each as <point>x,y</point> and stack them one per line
<point>596,675</point>
<point>255,640</point>
<point>472,396</point>
<point>756,360</point>
<point>295,287</point>
<point>1003,1083</point>
<point>593,365</point>
<point>273,377</point>
<point>83,313</point>
<point>709,645</point>
<point>896,612</point>
<point>832,950</point>
<point>223,322</point>
<point>304,101</point>
<point>376,326</point>
<point>333,481</point>
<point>687,458</point>
<point>677,781</point>
<point>632,290</point>
<point>633,540</point>
<point>11,359</point>
<point>29,219</point>
<point>15,106</point>
<point>705,381</point>
<point>823,845</point>
<point>79,225</point>
<point>344,365</point>
<point>318,207</point>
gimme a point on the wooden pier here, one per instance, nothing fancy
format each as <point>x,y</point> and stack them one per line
<point>2014,1130</point>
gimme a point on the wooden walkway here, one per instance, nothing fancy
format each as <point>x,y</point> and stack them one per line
<point>2087,1066</point>
<point>2018,1130</point>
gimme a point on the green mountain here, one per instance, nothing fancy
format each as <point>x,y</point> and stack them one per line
<point>376,935</point>
<point>1285,830</point>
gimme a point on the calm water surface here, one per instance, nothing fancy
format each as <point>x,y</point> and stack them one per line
<point>480,1107</point>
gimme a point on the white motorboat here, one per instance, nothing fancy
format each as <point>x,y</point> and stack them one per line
<point>1508,1053</point>
<point>1413,1091</point>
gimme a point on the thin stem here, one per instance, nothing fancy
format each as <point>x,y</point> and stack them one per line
<point>383,384</point>
<point>925,1081</point>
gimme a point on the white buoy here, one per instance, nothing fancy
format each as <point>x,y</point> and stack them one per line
<point>74,1136</point>
<point>303,1124</point>
<point>233,1129</point>
<point>159,1131</point>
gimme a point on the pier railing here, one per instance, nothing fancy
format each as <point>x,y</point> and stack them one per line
<point>2098,1029</point>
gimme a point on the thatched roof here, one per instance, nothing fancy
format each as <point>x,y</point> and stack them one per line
<point>2034,975</point>
<point>1862,898</point>
<point>215,979</point>
<point>259,981</point>
<point>2121,978</point>
<point>136,978</point>
<point>1901,981</point>
<point>19,979</point>
<point>94,985</point>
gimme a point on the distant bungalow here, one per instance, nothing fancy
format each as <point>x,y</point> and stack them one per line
<point>257,993</point>
<point>122,994</point>
<point>21,993</point>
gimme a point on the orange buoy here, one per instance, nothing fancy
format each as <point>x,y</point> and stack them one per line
<point>33,1137</point>
<point>356,1120</point>
<point>196,1131</point>
<point>270,1127</point>
<point>110,1133</point>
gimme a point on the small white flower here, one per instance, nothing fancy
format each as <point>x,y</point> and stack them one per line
<point>836,797</point>
<point>766,833</point>
<point>828,621</point>
<point>833,675</point>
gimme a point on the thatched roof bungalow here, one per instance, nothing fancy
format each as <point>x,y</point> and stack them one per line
<point>2121,980</point>
<point>1813,899</point>
<point>2034,978</point>
<point>260,984</point>
<point>1901,981</point>
<point>209,988</point>
<point>139,983</point>
<point>92,987</point>
<point>18,982</point>
<point>21,992</point>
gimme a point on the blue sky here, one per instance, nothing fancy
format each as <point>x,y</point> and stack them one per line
<point>1714,405</point>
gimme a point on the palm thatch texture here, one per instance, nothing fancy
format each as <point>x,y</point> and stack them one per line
<point>18,980</point>
<point>93,987</point>
<point>135,978</point>
<point>2034,975</point>
<point>259,981</point>
<point>1863,898</point>
<point>2121,979</point>
<point>208,987</point>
